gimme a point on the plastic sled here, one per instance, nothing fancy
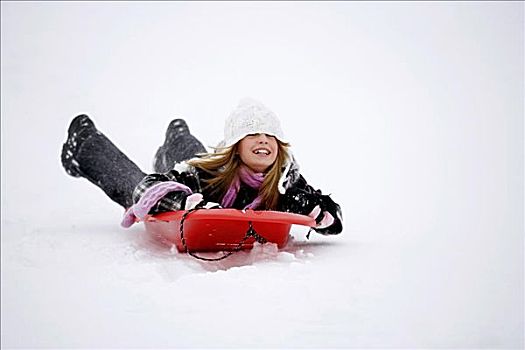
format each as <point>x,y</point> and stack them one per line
<point>211,230</point>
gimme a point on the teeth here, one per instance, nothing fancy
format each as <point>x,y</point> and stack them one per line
<point>259,151</point>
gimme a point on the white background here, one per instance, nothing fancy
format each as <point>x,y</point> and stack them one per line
<point>410,114</point>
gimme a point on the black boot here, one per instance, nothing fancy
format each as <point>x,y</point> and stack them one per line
<point>90,154</point>
<point>179,145</point>
<point>80,129</point>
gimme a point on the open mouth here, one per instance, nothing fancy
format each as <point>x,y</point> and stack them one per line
<point>262,151</point>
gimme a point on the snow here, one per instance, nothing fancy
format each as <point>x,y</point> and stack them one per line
<point>410,114</point>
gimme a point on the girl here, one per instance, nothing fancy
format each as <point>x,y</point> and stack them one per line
<point>252,168</point>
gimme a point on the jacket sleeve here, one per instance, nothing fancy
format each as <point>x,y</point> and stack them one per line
<point>301,198</point>
<point>174,200</point>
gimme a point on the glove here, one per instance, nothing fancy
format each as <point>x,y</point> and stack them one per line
<point>192,200</point>
<point>129,218</point>
<point>150,198</point>
<point>196,200</point>
<point>323,222</point>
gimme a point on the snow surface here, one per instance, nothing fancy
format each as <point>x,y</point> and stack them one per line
<point>410,114</point>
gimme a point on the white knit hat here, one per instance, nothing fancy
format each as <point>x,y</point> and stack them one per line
<point>250,117</point>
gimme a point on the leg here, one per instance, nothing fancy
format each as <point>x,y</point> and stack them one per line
<point>179,145</point>
<point>89,154</point>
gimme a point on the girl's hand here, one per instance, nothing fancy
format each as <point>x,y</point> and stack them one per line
<point>192,200</point>
<point>323,222</point>
<point>196,199</point>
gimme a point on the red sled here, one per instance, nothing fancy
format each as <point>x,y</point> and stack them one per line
<point>212,230</point>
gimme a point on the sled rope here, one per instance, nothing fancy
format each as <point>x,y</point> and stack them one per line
<point>249,233</point>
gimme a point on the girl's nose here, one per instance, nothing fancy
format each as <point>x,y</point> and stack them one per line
<point>262,138</point>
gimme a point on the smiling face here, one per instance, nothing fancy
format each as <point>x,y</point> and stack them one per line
<point>258,151</point>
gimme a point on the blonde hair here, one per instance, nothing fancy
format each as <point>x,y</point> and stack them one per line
<point>223,165</point>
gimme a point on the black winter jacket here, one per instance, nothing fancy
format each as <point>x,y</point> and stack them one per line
<point>296,196</point>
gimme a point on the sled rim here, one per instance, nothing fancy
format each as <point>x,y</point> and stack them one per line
<point>237,215</point>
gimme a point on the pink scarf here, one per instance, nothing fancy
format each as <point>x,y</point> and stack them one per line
<point>247,176</point>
